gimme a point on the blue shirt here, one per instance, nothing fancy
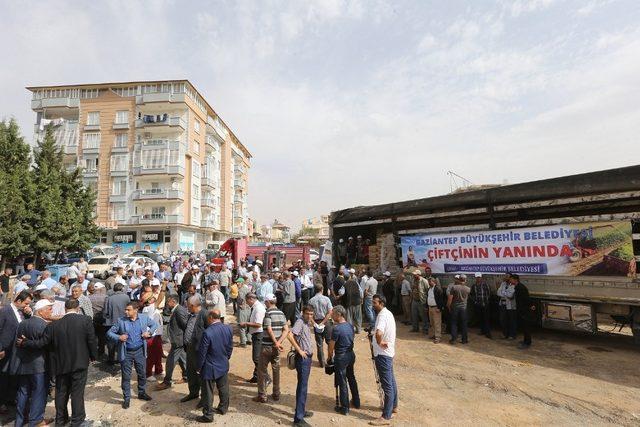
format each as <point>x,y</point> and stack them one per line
<point>134,334</point>
<point>34,276</point>
<point>49,283</point>
<point>343,335</point>
<point>298,284</point>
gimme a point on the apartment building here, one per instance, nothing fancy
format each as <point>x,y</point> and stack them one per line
<point>319,225</point>
<point>168,172</point>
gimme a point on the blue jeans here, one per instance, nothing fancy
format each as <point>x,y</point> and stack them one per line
<point>459,318</point>
<point>345,378</point>
<point>32,393</point>
<point>303,368</point>
<point>137,359</point>
<point>369,313</point>
<point>384,366</point>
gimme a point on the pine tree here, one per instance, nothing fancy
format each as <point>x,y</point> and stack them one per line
<point>16,193</point>
<point>48,210</point>
<point>80,201</point>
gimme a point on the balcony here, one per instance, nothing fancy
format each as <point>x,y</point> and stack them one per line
<point>159,170</point>
<point>118,198</point>
<point>206,181</point>
<point>158,194</point>
<point>70,149</point>
<point>92,127</point>
<point>119,172</point>
<point>208,223</point>
<point>90,148</point>
<point>238,183</point>
<point>118,126</point>
<point>120,149</point>
<point>66,102</point>
<point>156,219</point>
<point>90,173</point>
<point>167,144</point>
<point>239,168</point>
<point>208,203</point>
<point>162,121</point>
<point>160,97</point>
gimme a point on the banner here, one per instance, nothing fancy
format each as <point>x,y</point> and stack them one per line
<point>593,249</point>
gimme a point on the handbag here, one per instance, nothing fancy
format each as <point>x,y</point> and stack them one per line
<point>291,359</point>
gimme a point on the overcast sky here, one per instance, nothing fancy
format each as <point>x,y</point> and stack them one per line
<point>346,103</point>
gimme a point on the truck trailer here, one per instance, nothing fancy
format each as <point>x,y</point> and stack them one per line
<point>574,241</point>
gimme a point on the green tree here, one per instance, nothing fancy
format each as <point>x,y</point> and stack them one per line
<point>79,204</point>
<point>16,193</point>
<point>49,209</point>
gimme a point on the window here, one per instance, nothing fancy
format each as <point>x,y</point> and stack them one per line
<point>92,140</point>
<point>153,159</point>
<point>119,187</point>
<point>196,126</point>
<point>195,191</point>
<point>118,211</point>
<point>121,140</point>
<point>91,165</point>
<point>119,163</point>
<point>93,118</point>
<point>158,210</point>
<point>122,117</point>
<point>196,146</point>
<point>195,168</point>
<point>195,213</point>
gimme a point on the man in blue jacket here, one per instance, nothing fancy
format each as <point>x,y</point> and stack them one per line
<point>214,353</point>
<point>131,333</point>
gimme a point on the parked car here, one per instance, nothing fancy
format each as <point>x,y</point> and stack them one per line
<point>72,257</point>
<point>156,256</point>
<point>313,255</point>
<point>131,261</point>
<point>102,250</point>
<point>101,265</point>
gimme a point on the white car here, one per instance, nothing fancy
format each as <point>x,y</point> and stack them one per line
<point>131,262</point>
<point>100,266</point>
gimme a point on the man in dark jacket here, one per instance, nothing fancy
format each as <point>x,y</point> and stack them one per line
<point>30,368</point>
<point>214,353</point>
<point>480,296</point>
<point>73,344</point>
<point>352,301</point>
<point>435,304</point>
<point>196,324</point>
<point>177,326</point>
<point>11,316</point>
<point>524,308</point>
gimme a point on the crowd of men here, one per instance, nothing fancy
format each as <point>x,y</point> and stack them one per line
<point>183,302</point>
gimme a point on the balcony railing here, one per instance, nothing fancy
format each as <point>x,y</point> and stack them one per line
<point>158,218</point>
<point>238,183</point>
<point>158,170</point>
<point>207,181</point>
<point>158,193</point>
<point>161,120</point>
<point>208,203</point>
<point>208,223</point>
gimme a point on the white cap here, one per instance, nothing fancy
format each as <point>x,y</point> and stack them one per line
<point>352,271</point>
<point>270,297</point>
<point>386,273</point>
<point>42,304</point>
<point>417,272</point>
<point>258,262</point>
<point>276,269</point>
<point>89,275</point>
<point>295,273</point>
<point>359,237</point>
<point>98,285</point>
<point>463,276</point>
<point>478,274</point>
<point>341,241</point>
<point>41,287</point>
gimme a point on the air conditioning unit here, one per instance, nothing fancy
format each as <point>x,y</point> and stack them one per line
<point>147,135</point>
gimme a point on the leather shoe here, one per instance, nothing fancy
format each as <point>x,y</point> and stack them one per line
<point>162,386</point>
<point>203,419</point>
<point>144,396</point>
<point>219,411</point>
<point>252,380</point>
<point>301,423</point>
<point>308,414</point>
<point>341,410</point>
<point>189,397</point>
<point>125,404</point>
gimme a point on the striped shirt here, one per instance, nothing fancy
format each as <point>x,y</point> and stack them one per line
<point>275,319</point>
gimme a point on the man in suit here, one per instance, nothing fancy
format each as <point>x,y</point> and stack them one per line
<point>196,323</point>
<point>214,353</point>
<point>73,344</point>
<point>131,333</point>
<point>30,368</point>
<point>10,317</point>
<point>177,325</point>
<point>114,308</point>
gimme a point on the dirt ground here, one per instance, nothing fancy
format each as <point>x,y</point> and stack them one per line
<point>563,379</point>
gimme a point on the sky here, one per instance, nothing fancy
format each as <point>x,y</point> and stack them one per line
<point>349,103</point>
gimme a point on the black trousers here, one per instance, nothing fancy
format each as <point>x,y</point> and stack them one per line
<point>208,387</point>
<point>289,310</point>
<point>193,378</point>
<point>8,387</point>
<point>256,348</point>
<point>482,314</point>
<point>526,329</point>
<point>71,385</point>
<point>306,296</point>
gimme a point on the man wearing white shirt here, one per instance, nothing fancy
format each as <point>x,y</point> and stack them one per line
<point>230,263</point>
<point>72,273</point>
<point>45,279</point>
<point>83,266</point>
<point>255,329</point>
<point>383,352</point>
<point>135,282</point>
<point>370,288</point>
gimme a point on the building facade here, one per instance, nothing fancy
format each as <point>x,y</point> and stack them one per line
<point>319,225</point>
<point>168,172</point>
